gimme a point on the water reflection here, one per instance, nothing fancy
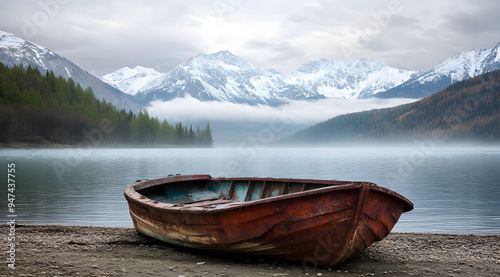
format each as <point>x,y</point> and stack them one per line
<point>455,190</point>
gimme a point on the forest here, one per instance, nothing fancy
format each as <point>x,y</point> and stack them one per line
<point>466,110</point>
<point>38,108</point>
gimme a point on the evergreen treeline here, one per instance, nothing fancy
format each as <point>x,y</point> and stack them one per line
<point>466,110</point>
<point>36,108</point>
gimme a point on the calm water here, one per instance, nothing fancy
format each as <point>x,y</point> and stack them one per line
<point>455,190</point>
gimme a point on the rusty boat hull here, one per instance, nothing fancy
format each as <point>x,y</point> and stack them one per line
<point>315,222</point>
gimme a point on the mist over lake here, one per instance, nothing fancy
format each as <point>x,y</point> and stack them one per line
<point>455,190</point>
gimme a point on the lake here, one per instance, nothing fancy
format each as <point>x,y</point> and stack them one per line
<point>455,190</point>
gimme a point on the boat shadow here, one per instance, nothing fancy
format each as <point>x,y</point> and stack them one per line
<point>178,253</point>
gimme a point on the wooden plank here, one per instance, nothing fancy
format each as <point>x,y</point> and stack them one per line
<point>263,192</point>
<point>249,190</point>
<point>231,191</point>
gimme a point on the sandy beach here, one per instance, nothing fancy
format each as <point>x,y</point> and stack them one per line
<point>100,251</point>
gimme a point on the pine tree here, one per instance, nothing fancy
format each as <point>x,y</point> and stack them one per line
<point>206,136</point>
<point>191,136</point>
<point>14,95</point>
<point>33,105</point>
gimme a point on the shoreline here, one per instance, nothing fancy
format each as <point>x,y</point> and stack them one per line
<point>367,144</point>
<point>57,250</point>
<point>24,146</point>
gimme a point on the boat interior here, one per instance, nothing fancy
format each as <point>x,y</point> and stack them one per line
<point>200,192</point>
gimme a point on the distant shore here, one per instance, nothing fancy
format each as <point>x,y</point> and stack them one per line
<point>20,145</point>
<point>52,250</point>
<point>367,144</point>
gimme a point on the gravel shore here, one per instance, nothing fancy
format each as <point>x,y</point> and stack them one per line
<point>98,251</point>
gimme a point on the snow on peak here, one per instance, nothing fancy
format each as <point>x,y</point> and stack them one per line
<point>463,65</point>
<point>224,54</point>
<point>340,65</point>
<point>496,50</point>
<point>350,78</point>
<point>459,67</point>
<point>15,51</point>
<point>8,40</point>
<point>132,80</point>
<point>223,76</point>
<point>222,60</point>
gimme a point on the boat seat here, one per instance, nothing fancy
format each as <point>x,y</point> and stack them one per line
<point>208,202</point>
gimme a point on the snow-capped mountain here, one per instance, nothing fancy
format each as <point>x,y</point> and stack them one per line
<point>131,80</point>
<point>14,51</point>
<point>223,76</point>
<point>352,78</point>
<point>459,67</point>
<point>220,77</point>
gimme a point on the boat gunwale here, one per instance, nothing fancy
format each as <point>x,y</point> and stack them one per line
<point>132,193</point>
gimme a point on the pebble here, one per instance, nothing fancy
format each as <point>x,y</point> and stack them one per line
<point>462,254</point>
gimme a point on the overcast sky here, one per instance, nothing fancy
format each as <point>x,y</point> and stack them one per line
<point>104,36</point>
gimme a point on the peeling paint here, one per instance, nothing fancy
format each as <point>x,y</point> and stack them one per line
<point>291,219</point>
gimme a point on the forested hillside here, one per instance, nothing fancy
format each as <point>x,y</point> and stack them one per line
<point>466,110</point>
<point>44,109</point>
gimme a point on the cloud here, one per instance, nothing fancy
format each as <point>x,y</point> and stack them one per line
<point>103,36</point>
<point>467,23</point>
<point>189,109</point>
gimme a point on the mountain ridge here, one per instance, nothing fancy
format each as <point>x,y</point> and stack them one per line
<point>222,76</point>
<point>14,51</point>
<point>131,80</point>
<point>458,67</point>
<point>466,109</point>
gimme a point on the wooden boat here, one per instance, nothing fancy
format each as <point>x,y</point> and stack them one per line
<point>316,222</point>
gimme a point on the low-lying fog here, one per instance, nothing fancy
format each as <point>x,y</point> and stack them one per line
<point>232,123</point>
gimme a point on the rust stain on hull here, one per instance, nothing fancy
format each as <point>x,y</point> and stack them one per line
<point>315,222</point>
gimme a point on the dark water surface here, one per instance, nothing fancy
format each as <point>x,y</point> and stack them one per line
<point>455,190</point>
